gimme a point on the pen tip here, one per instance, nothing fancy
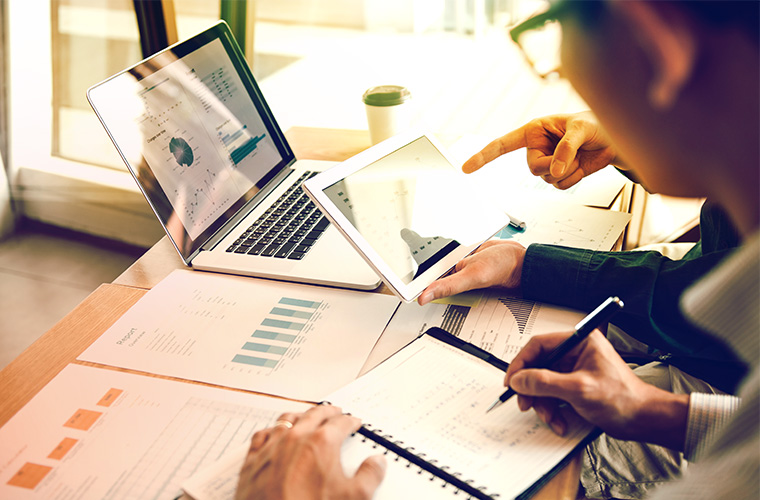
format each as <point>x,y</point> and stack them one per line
<point>494,405</point>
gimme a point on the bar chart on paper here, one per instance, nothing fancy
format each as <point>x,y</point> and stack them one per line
<point>502,324</point>
<point>278,332</point>
<point>247,333</point>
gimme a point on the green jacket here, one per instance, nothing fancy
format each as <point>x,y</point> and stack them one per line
<point>650,285</point>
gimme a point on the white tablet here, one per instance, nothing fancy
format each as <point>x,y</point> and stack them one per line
<point>407,209</point>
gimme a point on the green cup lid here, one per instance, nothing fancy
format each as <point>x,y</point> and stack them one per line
<point>386,95</point>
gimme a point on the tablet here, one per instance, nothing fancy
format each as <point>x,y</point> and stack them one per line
<point>407,209</point>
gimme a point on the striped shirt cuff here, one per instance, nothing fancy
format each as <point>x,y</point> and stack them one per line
<point>708,414</point>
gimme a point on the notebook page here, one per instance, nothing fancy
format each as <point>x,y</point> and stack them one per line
<point>433,397</point>
<point>402,479</point>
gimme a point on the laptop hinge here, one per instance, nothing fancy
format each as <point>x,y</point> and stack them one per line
<point>223,231</point>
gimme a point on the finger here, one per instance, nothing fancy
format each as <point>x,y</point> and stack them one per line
<point>570,180</point>
<point>538,162</point>
<point>540,382</point>
<point>259,439</point>
<point>524,403</point>
<point>335,430</point>
<point>316,416</point>
<point>507,143</point>
<point>369,474</point>
<point>566,150</point>
<point>277,430</point>
<point>549,412</point>
<point>459,282</point>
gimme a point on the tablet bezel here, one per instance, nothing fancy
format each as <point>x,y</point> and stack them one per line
<point>315,186</point>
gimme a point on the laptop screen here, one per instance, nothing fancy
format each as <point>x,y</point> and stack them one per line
<point>195,131</point>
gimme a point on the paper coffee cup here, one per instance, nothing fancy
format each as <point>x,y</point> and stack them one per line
<point>388,111</point>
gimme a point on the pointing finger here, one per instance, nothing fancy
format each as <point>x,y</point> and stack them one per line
<point>510,142</point>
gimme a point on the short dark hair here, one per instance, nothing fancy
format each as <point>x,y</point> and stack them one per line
<point>744,14</point>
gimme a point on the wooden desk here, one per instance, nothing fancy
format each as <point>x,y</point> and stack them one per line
<point>35,367</point>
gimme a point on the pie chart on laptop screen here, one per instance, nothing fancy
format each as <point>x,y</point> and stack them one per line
<point>182,151</point>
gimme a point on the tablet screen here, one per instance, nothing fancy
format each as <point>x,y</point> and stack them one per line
<point>413,208</point>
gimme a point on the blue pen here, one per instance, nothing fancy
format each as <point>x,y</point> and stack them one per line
<point>597,318</point>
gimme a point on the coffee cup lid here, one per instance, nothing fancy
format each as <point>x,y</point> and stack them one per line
<point>386,95</point>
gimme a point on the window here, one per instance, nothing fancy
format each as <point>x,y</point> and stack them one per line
<point>63,167</point>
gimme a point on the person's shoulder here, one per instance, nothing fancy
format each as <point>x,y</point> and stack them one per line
<point>726,302</point>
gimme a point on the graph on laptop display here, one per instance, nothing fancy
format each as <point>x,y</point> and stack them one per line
<point>202,137</point>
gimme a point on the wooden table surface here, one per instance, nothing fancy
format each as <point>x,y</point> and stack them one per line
<point>37,365</point>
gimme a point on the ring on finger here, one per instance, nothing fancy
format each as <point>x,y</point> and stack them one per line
<point>284,423</point>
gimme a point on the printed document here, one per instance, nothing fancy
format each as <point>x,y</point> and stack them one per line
<point>259,335</point>
<point>95,433</point>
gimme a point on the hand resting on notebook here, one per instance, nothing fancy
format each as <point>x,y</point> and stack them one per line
<point>302,460</point>
<point>601,388</point>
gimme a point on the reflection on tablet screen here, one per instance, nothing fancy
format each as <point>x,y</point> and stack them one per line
<point>408,207</point>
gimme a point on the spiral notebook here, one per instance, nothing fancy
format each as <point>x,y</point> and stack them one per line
<point>425,409</point>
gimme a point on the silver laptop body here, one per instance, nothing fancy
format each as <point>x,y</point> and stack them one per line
<point>200,140</point>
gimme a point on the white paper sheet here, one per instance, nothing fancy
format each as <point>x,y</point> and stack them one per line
<point>431,398</point>
<point>496,322</point>
<point>101,434</point>
<point>434,397</point>
<point>261,335</point>
<point>502,324</point>
<point>568,225</point>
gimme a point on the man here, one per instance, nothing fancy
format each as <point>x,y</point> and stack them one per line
<point>675,85</point>
<point>650,284</point>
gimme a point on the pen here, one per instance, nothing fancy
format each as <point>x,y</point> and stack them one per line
<point>597,318</point>
<point>516,223</point>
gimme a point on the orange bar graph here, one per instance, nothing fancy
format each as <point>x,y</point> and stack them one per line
<point>63,447</point>
<point>110,397</point>
<point>83,419</point>
<point>29,476</point>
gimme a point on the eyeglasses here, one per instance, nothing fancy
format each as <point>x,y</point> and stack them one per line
<point>539,39</point>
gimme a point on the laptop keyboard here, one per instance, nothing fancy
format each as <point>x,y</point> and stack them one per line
<point>288,229</point>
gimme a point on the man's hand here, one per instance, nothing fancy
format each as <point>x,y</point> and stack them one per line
<point>303,462</point>
<point>495,263</point>
<point>601,388</point>
<point>562,149</point>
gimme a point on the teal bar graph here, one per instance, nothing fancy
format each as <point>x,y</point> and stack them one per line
<point>277,332</point>
<point>254,361</point>
<point>287,301</point>
<point>274,349</point>
<point>281,311</point>
<point>283,337</point>
<point>278,323</point>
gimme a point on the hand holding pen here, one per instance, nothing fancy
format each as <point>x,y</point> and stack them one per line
<point>595,319</point>
<point>595,381</point>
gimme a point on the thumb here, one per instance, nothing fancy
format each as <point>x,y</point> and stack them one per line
<point>540,382</point>
<point>453,284</point>
<point>370,473</point>
<point>566,151</point>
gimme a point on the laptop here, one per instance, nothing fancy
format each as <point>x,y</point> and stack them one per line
<point>194,130</point>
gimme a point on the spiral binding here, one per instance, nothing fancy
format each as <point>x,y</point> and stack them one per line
<point>397,447</point>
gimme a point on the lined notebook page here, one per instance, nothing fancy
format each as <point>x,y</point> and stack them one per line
<point>433,397</point>
<point>402,479</point>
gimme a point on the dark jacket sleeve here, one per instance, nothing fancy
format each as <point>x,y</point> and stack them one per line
<point>650,285</point>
